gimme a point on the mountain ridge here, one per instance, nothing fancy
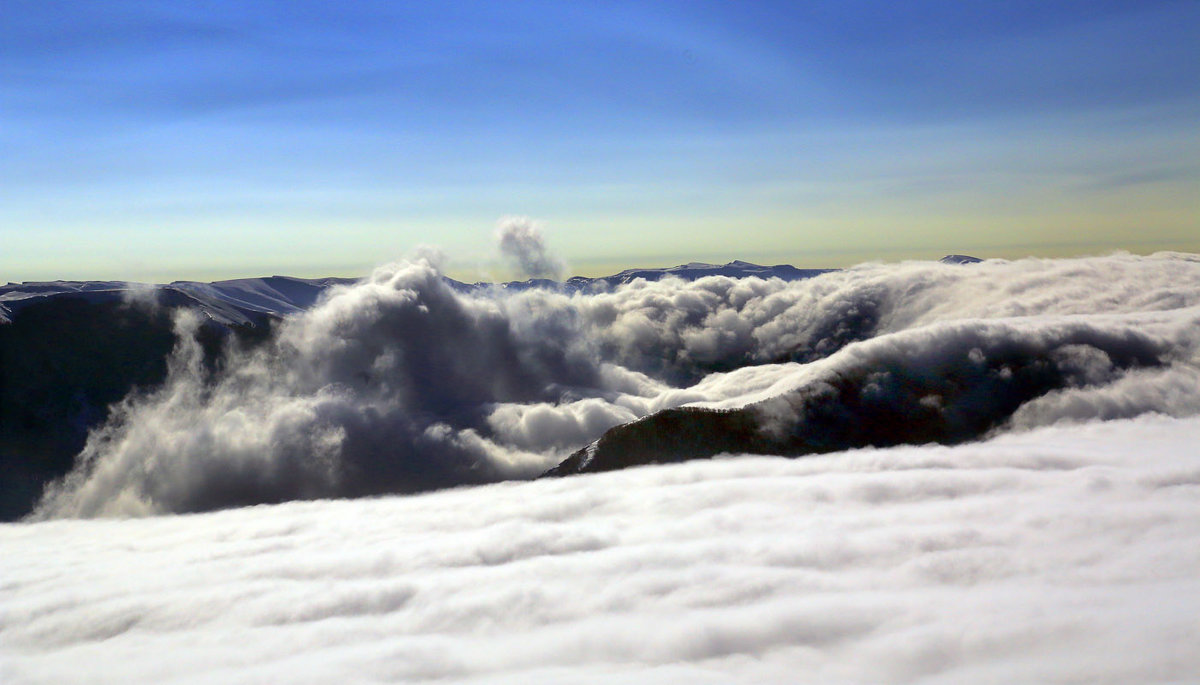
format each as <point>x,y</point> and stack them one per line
<point>250,301</point>
<point>71,350</point>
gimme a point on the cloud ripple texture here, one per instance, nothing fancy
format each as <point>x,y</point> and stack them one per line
<point>399,384</point>
<point>1062,554</point>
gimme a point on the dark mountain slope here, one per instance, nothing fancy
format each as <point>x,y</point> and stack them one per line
<point>972,385</point>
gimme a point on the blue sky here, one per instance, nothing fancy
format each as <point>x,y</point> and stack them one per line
<point>164,140</point>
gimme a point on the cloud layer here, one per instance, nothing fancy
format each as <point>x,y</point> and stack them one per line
<point>1061,554</point>
<point>401,384</point>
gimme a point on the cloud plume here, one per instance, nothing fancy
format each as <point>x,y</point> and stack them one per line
<point>521,243</point>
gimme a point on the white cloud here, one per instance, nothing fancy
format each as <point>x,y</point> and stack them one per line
<point>400,384</point>
<point>1062,554</point>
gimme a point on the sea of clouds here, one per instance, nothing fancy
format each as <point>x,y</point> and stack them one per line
<point>1060,554</point>
<point>1060,543</point>
<point>401,383</point>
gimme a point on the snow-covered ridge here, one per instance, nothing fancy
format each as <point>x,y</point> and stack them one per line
<point>243,301</point>
<point>248,301</point>
<point>959,259</point>
<point>696,270</point>
<point>691,271</point>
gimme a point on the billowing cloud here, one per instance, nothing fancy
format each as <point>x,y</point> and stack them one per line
<point>376,390</point>
<point>1060,554</point>
<point>400,384</point>
<point>522,244</point>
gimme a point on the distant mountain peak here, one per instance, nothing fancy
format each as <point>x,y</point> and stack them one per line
<point>959,259</point>
<point>251,301</point>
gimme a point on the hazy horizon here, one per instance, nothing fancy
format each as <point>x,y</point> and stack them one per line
<point>169,142</point>
<point>496,269</point>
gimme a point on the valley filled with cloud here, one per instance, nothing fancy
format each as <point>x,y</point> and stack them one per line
<point>963,472</point>
<point>402,383</point>
<point>295,386</point>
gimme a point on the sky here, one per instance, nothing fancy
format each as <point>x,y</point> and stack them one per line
<point>158,141</point>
